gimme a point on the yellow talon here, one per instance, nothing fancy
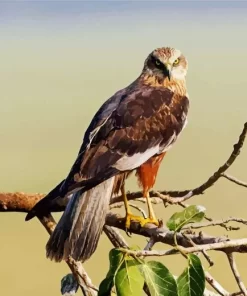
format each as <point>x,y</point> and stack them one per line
<point>150,220</point>
<point>143,221</point>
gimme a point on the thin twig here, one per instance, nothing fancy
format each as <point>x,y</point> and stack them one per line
<point>234,180</point>
<point>213,283</point>
<point>218,223</point>
<point>121,204</point>
<point>236,274</point>
<point>82,277</point>
<point>208,258</point>
<point>150,244</point>
<point>205,254</point>
<point>139,209</point>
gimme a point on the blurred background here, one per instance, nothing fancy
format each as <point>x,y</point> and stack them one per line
<point>61,60</point>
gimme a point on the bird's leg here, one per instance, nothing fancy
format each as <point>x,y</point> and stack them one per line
<point>127,207</point>
<point>129,216</point>
<point>151,216</point>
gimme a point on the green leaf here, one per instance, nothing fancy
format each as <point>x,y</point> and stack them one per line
<point>105,287</point>
<point>189,215</point>
<point>159,280</point>
<point>116,258</point>
<point>129,280</point>
<point>192,281</point>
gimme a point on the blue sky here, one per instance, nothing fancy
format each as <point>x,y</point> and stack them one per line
<point>59,9</point>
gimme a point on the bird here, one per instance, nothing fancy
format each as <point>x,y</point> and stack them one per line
<point>131,132</point>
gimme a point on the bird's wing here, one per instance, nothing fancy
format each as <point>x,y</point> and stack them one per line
<point>129,128</point>
<point>99,120</point>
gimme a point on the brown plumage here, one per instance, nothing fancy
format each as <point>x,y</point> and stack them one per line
<point>131,131</point>
<point>148,171</point>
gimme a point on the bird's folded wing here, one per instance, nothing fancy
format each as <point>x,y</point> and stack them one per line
<point>128,129</point>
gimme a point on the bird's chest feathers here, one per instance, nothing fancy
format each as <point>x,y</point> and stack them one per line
<point>177,86</point>
<point>174,120</point>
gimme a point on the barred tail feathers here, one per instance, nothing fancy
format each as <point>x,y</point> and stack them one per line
<point>78,231</point>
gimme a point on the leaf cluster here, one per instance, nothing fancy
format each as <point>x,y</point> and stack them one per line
<point>129,275</point>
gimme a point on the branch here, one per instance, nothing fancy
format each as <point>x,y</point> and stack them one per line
<point>149,230</point>
<point>18,201</point>
<point>82,277</point>
<point>215,284</point>
<point>227,246</point>
<point>167,237</point>
<point>236,273</point>
<point>9,202</point>
<point>218,223</point>
<point>234,180</point>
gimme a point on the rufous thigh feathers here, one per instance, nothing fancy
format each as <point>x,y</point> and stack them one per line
<point>148,171</point>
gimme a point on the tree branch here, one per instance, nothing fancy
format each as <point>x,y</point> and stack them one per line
<point>236,273</point>
<point>234,180</point>
<point>218,223</point>
<point>18,201</point>
<point>227,246</point>
<point>165,236</point>
<point>213,283</point>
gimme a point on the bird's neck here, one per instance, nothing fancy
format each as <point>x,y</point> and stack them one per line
<point>175,85</point>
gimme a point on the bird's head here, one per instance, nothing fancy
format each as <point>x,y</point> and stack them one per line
<point>166,63</point>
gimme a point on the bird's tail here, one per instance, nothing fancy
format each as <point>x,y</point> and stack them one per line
<point>48,204</point>
<point>78,231</point>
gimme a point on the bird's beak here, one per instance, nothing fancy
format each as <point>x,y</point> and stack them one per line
<point>167,71</point>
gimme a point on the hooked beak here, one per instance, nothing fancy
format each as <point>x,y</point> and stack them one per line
<point>167,71</point>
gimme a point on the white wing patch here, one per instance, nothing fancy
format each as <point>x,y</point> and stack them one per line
<point>94,132</point>
<point>127,163</point>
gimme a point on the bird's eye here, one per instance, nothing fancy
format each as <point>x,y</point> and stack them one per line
<point>157,62</point>
<point>176,62</point>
